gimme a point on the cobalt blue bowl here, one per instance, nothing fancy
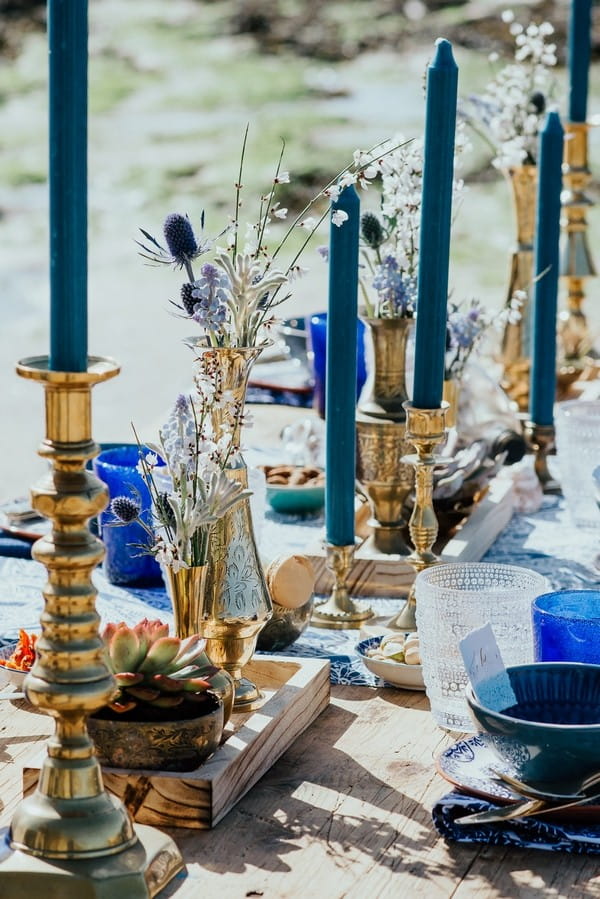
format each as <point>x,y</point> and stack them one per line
<point>553,732</point>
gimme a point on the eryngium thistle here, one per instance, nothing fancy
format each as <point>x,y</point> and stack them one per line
<point>371,230</point>
<point>180,238</point>
<point>187,300</point>
<point>125,509</point>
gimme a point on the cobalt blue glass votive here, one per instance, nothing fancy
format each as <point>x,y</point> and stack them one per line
<point>566,626</point>
<point>124,562</point>
<point>318,345</point>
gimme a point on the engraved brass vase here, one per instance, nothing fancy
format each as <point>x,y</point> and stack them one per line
<point>380,433</point>
<point>186,592</point>
<point>236,602</point>
<point>515,341</point>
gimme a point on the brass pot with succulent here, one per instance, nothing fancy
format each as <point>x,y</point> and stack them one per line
<point>165,714</point>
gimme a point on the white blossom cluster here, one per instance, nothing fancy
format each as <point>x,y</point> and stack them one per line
<point>194,492</point>
<point>510,112</point>
<point>390,254</point>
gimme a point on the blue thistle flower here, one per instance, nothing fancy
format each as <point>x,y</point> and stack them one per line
<point>125,509</point>
<point>180,238</point>
<point>187,298</point>
<point>371,230</point>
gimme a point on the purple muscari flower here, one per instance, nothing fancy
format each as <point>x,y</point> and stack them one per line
<point>182,406</point>
<point>210,297</point>
<point>397,292</point>
<point>125,508</point>
<point>323,252</point>
<point>180,238</point>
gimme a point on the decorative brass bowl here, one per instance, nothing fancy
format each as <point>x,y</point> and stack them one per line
<point>178,745</point>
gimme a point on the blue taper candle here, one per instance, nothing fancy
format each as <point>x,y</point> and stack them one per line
<point>67,39</point>
<point>436,213</point>
<point>580,26</point>
<point>340,381</point>
<point>542,388</point>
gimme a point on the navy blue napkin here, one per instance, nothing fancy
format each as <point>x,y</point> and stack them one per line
<point>579,838</point>
<point>14,547</point>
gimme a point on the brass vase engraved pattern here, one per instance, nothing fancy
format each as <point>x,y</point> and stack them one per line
<point>385,480</point>
<point>515,341</point>
<point>186,592</point>
<point>236,602</point>
<point>576,264</point>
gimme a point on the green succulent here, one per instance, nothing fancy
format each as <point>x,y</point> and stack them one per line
<point>153,669</point>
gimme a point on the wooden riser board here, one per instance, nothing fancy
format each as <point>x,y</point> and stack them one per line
<point>391,576</point>
<point>296,690</point>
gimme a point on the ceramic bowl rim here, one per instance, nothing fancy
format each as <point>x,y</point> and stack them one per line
<point>290,487</point>
<point>372,641</point>
<point>536,725</point>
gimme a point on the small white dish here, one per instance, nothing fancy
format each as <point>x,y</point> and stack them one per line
<point>398,674</point>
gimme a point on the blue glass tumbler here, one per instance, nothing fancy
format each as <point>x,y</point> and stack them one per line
<point>566,626</point>
<point>318,344</point>
<point>125,563</point>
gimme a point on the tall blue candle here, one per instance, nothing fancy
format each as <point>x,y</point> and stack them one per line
<point>436,213</point>
<point>543,352</point>
<point>340,386</point>
<point>67,38</point>
<point>579,58</point>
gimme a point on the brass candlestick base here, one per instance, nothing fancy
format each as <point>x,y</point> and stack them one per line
<point>340,610</point>
<point>541,440</point>
<point>425,428</point>
<point>576,261</point>
<point>71,838</point>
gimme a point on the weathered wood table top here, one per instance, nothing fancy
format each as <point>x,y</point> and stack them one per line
<point>344,813</point>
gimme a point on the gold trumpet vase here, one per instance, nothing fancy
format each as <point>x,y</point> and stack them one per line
<point>380,434</point>
<point>515,341</point>
<point>186,590</point>
<point>70,838</point>
<point>426,429</point>
<point>236,602</point>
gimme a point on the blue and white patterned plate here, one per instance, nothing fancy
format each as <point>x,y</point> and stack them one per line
<point>469,765</point>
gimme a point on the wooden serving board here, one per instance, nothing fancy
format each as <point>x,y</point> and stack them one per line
<point>296,692</point>
<point>377,574</point>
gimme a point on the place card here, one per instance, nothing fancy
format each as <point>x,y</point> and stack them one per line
<point>486,670</point>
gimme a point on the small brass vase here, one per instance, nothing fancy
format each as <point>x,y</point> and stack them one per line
<point>380,434</point>
<point>515,341</point>
<point>186,591</point>
<point>236,603</point>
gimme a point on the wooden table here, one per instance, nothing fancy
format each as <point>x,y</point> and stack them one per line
<point>344,813</point>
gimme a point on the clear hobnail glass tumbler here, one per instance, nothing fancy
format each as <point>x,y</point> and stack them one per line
<point>578,452</point>
<point>452,600</point>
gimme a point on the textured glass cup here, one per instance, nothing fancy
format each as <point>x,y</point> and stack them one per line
<point>577,425</point>
<point>124,563</point>
<point>454,599</point>
<point>566,626</point>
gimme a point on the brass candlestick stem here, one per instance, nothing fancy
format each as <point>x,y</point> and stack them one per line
<point>71,838</point>
<point>541,440</point>
<point>425,428</point>
<point>340,610</point>
<point>576,262</point>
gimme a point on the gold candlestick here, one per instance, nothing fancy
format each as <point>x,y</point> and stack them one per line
<point>541,440</point>
<point>576,262</point>
<point>71,838</point>
<point>425,428</point>
<point>340,610</point>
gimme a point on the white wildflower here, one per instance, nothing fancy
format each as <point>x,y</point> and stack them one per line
<point>338,217</point>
